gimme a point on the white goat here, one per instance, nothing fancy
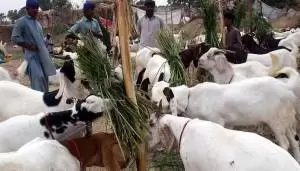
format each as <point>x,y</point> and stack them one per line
<point>4,75</point>
<point>292,42</point>
<point>52,79</point>
<point>157,69</point>
<point>39,154</point>
<point>17,99</point>
<point>248,102</point>
<point>286,58</point>
<point>207,146</point>
<point>18,130</point>
<point>142,58</point>
<point>224,72</point>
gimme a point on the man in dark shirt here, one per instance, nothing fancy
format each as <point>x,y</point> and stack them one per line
<point>233,40</point>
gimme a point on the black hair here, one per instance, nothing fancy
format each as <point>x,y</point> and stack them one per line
<point>229,15</point>
<point>149,2</point>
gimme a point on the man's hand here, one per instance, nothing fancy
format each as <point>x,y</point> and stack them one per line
<point>29,46</point>
<point>32,47</point>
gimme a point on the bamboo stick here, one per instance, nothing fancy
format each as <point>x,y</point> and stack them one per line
<point>123,27</point>
<point>222,29</point>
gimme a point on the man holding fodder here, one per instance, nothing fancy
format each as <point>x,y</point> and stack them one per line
<point>233,40</point>
<point>87,23</point>
<point>28,33</point>
<point>148,26</point>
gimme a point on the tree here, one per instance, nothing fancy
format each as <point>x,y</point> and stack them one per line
<point>45,4</point>
<point>22,12</point>
<point>61,4</point>
<point>2,17</point>
<point>13,15</point>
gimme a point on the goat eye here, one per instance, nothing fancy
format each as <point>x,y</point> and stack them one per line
<point>151,123</point>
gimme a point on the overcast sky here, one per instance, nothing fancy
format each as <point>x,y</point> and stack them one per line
<point>17,4</point>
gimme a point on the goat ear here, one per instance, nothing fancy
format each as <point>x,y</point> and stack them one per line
<point>221,63</point>
<point>168,93</point>
<point>159,110</point>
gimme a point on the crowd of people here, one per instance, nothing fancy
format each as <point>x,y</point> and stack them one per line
<point>28,34</point>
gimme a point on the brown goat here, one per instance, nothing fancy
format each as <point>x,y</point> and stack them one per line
<point>101,149</point>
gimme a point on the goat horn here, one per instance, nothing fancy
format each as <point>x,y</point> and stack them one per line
<point>275,65</point>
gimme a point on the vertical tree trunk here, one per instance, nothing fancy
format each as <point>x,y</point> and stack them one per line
<point>124,28</point>
<point>222,29</point>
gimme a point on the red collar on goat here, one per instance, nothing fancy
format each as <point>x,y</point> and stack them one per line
<point>183,131</point>
<point>72,143</point>
<point>48,127</point>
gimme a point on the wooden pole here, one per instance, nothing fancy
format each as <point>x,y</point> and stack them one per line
<point>222,29</point>
<point>124,28</point>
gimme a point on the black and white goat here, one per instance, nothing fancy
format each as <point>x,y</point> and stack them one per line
<point>18,130</point>
<point>248,102</point>
<point>39,154</point>
<point>17,99</point>
<point>208,146</point>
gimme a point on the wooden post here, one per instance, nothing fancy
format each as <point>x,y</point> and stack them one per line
<point>222,29</point>
<point>124,28</point>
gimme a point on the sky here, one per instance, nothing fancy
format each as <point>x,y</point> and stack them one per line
<point>17,4</point>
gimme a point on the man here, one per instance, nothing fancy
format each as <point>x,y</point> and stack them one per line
<point>87,23</point>
<point>233,40</point>
<point>148,26</point>
<point>48,42</point>
<point>28,34</point>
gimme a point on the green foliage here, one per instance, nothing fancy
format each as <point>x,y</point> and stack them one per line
<point>13,15</point>
<point>257,24</point>
<point>45,4</point>
<point>127,119</point>
<point>170,50</point>
<point>167,160</point>
<point>209,11</point>
<point>240,13</point>
<point>61,4</point>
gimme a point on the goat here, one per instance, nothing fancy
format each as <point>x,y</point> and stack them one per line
<point>142,58</point>
<point>252,46</point>
<point>193,53</point>
<point>157,69</point>
<point>291,42</point>
<point>30,101</point>
<point>224,72</point>
<point>4,74</point>
<point>207,146</point>
<point>39,154</point>
<point>55,125</point>
<point>248,102</point>
<point>101,149</point>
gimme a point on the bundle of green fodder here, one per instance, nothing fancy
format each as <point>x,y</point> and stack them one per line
<point>127,118</point>
<point>209,11</point>
<point>170,50</point>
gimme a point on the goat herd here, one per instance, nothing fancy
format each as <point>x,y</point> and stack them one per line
<point>43,131</point>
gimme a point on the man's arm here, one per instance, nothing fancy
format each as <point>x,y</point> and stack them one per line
<point>74,29</point>
<point>18,38</point>
<point>98,32</point>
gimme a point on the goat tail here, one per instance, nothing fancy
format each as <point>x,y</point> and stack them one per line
<point>21,69</point>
